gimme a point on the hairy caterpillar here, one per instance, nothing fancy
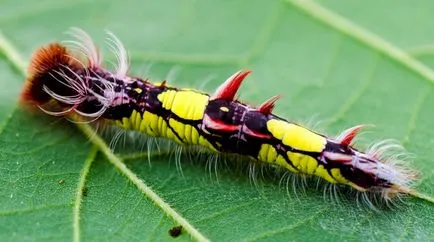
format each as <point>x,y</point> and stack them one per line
<point>63,83</point>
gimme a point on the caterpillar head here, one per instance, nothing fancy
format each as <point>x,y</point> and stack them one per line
<point>64,82</point>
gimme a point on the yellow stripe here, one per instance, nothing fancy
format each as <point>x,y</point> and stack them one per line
<point>185,104</point>
<point>126,123</point>
<point>304,163</point>
<point>166,98</point>
<point>282,162</point>
<point>205,143</point>
<point>296,136</point>
<point>149,124</point>
<point>263,151</point>
<point>267,153</point>
<point>338,176</point>
<point>300,139</point>
<point>138,121</point>
<point>322,172</point>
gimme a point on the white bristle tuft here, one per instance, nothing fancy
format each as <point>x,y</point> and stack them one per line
<point>121,54</point>
<point>85,45</point>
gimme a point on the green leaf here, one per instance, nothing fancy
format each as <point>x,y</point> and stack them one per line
<point>340,62</point>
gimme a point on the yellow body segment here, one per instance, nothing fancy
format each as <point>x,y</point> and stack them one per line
<point>280,161</point>
<point>301,139</point>
<point>125,123</point>
<point>338,176</point>
<point>267,153</point>
<point>149,124</point>
<point>166,98</point>
<point>263,152</point>
<point>205,143</point>
<point>188,133</point>
<point>296,136</point>
<point>322,172</point>
<point>186,104</point>
<point>304,163</point>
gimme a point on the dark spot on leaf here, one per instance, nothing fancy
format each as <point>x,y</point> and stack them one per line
<point>175,231</point>
<point>61,181</point>
<point>85,191</point>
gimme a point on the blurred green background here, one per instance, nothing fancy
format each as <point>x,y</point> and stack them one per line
<point>336,63</point>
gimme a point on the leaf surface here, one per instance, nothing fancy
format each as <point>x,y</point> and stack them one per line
<point>339,63</point>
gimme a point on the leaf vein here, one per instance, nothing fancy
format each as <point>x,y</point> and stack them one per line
<point>356,95</point>
<point>345,26</point>
<point>417,109</point>
<point>102,146</point>
<point>79,193</point>
<point>193,59</point>
<point>291,226</point>
<point>333,60</point>
<point>155,229</point>
<point>227,210</point>
<point>264,35</point>
<point>12,55</point>
<point>33,209</point>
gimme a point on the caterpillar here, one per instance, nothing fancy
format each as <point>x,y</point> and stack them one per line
<point>69,80</point>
